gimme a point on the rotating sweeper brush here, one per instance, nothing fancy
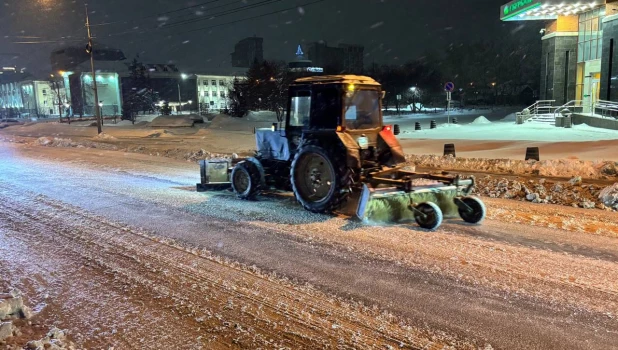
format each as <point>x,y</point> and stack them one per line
<point>333,146</point>
<point>425,204</point>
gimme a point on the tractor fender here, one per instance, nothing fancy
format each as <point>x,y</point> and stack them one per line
<point>353,157</point>
<point>258,164</point>
<point>391,141</point>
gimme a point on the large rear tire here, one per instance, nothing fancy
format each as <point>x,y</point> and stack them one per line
<point>246,180</point>
<point>320,179</point>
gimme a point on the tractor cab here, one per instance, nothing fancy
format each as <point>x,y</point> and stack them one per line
<point>334,103</point>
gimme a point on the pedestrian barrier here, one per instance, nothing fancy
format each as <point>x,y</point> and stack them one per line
<point>417,126</point>
<point>532,153</point>
<point>449,149</point>
<point>433,124</point>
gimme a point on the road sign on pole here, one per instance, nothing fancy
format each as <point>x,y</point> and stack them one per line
<point>449,87</point>
<point>448,106</point>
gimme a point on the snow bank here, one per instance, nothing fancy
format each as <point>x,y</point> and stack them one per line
<point>481,120</point>
<point>510,118</point>
<point>506,131</point>
<point>261,116</point>
<point>446,126</point>
<point>569,193</point>
<point>104,136</point>
<point>609,196</point>
<point>12,305</point>
<point>169,121</point>
<point>67,143</point>
<point>553,168</point>
<point>56,339</point>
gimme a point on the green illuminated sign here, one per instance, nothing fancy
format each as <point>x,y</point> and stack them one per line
<point>518,6</point>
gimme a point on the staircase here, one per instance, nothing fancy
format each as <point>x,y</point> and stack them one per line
<point>540,112</point>
<point>545,118</point>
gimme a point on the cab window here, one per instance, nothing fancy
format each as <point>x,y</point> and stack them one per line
<point>300,108</point>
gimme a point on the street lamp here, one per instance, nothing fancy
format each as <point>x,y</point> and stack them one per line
<point>183,76</point>
<point>414,91</point>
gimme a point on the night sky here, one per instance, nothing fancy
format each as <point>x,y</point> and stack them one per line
<point>392,31</point>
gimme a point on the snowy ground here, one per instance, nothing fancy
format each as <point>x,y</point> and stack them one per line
<point>106,224</point>
<point>483,129</point>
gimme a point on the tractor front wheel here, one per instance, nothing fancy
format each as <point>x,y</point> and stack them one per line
<point>320,179</point>
<point>246,180</point>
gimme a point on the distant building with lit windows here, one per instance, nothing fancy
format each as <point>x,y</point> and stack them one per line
<point>80,92</point>
<point>579,63</point>
<point>213,91</point>
<point>29,98</point>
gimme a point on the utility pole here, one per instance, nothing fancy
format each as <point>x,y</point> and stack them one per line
<point>179,99</point>
<point>90,50</point>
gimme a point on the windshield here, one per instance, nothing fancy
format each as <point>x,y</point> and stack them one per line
<point>362,109</point>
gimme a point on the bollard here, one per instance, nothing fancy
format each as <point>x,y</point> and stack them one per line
<point>454,120</point>
<point>432,125</point>
<point>532,153</point>
<point>567,122</point>
<point>417,126</point>
<point>449,149</point>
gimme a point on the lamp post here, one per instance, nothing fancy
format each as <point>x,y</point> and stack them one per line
<point>101,111</point>
<point>413,89</point>
<point>493,85</point>
<point>183,76</point>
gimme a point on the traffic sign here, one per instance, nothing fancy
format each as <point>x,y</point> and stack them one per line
<point>449,87</point>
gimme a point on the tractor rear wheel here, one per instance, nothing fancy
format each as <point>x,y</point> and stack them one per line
<point>320,179</point>
<point>246,180</point>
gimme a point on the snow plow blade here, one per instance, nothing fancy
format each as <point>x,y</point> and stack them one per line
<point>214,175</point>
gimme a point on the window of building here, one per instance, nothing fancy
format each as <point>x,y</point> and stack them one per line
<point>221,94</point>
<point>589,40</point>
<point>44,91</point>
<point>205,82</point>
<point>221,83</point>
<point>213,82</point>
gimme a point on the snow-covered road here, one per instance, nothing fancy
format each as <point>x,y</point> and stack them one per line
<point>504,283</point>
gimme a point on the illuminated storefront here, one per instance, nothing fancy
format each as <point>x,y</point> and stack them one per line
<point>578,48</point>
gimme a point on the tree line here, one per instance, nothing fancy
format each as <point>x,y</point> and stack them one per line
<point>484,72</point>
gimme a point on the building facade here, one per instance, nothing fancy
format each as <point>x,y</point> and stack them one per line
<point>344,58</point>
<point>31,98</point>
<point>247,51</point>
<point>213,91</point>
<point>81,92</point>
<point>578,48</point>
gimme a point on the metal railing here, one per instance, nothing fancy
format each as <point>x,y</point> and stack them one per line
<point>571,106</point>
<point>608,109</point>
<point>540,107</point>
